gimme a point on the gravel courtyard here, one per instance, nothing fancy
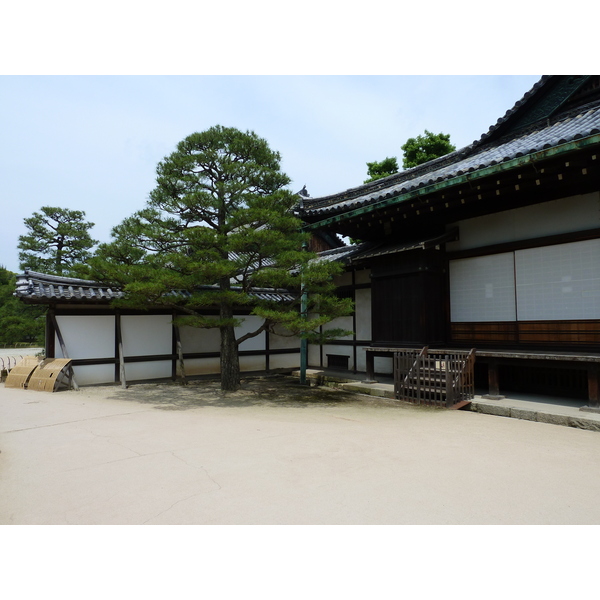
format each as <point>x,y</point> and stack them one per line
<point>278,453</point>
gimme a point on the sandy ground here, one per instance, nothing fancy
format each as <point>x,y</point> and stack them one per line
<point>277,453</point>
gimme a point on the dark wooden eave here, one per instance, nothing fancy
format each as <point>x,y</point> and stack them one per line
<point>524,159</point>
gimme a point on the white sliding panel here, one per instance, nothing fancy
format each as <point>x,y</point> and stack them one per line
<point>559,282</point>
<point>145,335</point>
<point>482,288</point>
<point>87,336</point>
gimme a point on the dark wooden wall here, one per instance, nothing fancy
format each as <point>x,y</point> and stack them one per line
<point>408,299</point>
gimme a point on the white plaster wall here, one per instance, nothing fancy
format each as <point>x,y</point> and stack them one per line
<point>314,356</point>
<point>285,361</point>
<point>384,365</point>
<point>340,350</point>
<point>252,363</point>
<point>361,359</point>
<point>196,339</point>
<point>362,307</point>
<point>576,213</point>
<point>147,370</point>
<point>280,342</point>
<point>250,324</point>
<point>86,336</point>
<point>202,366</point>
<point>145,335</point>
<point>342,323</point>
<point>93,374</point>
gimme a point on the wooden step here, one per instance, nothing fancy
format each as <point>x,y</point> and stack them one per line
<point>460,404</point>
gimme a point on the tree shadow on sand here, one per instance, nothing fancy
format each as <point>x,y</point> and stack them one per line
<point>271,391</point>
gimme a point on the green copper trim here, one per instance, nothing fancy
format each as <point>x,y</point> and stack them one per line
<point>458,180</point>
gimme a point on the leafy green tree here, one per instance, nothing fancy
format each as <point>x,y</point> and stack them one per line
<point>426,147</point>
<point>18,322</point>
<point>378,170</point>
<point>57,240</point>
<point>218,223</point>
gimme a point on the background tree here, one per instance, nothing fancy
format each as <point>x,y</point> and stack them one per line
<point>57,240</point>
<point>219,223</point>
<point>19,323</point>
<point>379,170</point>
<point>426,147</point>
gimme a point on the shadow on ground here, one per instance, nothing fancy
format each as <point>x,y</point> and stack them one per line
<point>260,391</point>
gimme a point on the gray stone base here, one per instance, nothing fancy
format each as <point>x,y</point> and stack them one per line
<point>493,397</point>
<point>592,409</point>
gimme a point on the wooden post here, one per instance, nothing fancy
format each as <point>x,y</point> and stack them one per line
<point>121,352</point>
<point>61,341</point>
<point>493,382</point>
<point>180,354</point>
<point>370,367</point>
<point>593,386</point>
<point>449,381</point>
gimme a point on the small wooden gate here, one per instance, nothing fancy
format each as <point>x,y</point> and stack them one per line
<point>434,377</point>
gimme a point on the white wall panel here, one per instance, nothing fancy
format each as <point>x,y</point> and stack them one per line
<point>148,370</point>
<point>279,342</point>
<point>362,306</point>
<point>94,374</point>
<point>341,323</point>
<point>314,356</point>
<point>383,365</point>
<point>145,335</point>
<point>201,366</point>
<point>483,288</point>
<point>252,363</point>
<point>196,339</point>
<point>86,336</point>
<point>285,361</point>
<point>361,360</point>
<point>250,324</point>
<point>560,282</point>
<point>576,213</point>
<point>340,351</point>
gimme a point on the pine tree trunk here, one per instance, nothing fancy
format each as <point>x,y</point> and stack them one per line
<point>230,362</point>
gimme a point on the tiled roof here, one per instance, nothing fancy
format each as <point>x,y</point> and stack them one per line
<point>571,126</point>
<point>344,254</point>
<point>42,287</point>
<point>31,284</point>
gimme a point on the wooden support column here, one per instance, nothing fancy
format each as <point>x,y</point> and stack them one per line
<point>50,334</point>
<point>179,354</point>
<point>370,356</point>
<point>594,386</point>
<point>493,382</point>
<point>267,351</point>
<point>120,351</point>
<point>61,341</point>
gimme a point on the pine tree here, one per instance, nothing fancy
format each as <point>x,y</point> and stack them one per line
<point>219,223</point>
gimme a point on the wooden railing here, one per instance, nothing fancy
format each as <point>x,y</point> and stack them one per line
<point>434,377</point>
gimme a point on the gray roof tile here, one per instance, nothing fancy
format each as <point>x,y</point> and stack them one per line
<point>42,287</point>
<point>572,126</point>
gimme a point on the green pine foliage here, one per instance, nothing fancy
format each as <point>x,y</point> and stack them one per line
<point>19,323</point>
<point>57,241</point>
<point>219,222</point>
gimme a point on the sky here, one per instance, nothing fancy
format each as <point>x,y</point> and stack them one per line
<point>92,142</point>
